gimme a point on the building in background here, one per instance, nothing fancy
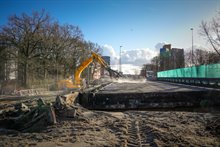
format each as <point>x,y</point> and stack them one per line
<point>106,59</point>
<point>171,58</point>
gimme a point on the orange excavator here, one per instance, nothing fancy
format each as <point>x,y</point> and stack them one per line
<point>77,81</point>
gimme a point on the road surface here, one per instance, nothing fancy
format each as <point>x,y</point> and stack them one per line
<point>150,86</point>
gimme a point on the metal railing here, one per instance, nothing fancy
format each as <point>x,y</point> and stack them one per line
<point>207,82</point>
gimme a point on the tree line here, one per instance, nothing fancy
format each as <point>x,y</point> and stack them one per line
<point>35,49</point>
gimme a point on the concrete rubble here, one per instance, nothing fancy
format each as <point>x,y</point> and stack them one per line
<point>64,105</point>
<point>25,119</point>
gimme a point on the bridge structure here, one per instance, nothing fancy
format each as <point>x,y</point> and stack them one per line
<point>151,95</point>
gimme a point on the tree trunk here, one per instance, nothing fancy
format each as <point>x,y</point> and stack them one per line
<point>25,82</point>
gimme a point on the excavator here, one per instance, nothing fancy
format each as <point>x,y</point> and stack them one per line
<point>77,82</point>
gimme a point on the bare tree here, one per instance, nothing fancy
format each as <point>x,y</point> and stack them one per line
<point>201,57</point>
<point>211,31</point>
<point>188,58</point>
<point>4,58</point>
<point>155,61</point>
<point>41,48</point>
<point>23,39</point>
<point>63,46</point>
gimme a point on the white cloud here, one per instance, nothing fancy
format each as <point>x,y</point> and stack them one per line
<point>109,50</point>
<point>137,56</point>
<point>160,45</point>
<point>132,60</point>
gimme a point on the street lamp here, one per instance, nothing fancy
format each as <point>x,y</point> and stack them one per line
<point>120,60</point>
<point>192,47</point>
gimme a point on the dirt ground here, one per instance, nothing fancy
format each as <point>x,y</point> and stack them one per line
<point>128,128</point>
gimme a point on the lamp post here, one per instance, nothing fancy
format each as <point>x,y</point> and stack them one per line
<point>120,60</point>
<point>192,47</point>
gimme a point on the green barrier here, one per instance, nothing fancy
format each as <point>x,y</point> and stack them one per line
<point>202,71</point>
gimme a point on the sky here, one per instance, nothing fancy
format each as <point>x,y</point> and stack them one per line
<point>141,27</point>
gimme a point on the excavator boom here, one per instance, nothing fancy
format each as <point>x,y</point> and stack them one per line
<point>76,82</point>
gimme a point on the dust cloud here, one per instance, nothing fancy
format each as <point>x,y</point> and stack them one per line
<point>128,80</point>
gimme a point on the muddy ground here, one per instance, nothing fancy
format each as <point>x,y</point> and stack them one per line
<point>125,128</point>
<point>128,128</point>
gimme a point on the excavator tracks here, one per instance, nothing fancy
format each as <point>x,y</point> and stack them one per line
<point>139,134</point>
<point>134,138</point>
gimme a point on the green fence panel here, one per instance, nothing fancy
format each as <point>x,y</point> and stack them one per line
<point>202,71</point>
<point>213,71</point>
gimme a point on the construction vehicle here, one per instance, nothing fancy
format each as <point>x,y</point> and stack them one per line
<point>77,82</point>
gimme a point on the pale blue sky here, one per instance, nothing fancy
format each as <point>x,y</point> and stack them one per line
<point>131,23</point>
<point>134,24</point>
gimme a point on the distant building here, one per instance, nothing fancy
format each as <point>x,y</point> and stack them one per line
<point>171,58</point>
<point>106,59</point>
<point>167,46</point>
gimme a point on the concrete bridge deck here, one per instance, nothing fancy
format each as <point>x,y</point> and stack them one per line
<point>151,86</point>
<point>151,95</point>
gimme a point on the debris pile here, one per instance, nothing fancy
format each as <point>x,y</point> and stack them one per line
<point>25,119</point>
<point>64,105</point>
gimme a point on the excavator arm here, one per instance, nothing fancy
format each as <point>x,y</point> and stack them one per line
<point>76,82</point>
<point>80,69</point>
<point>102,62</point>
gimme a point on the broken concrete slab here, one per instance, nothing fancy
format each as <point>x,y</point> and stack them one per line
<point>64,105</point>
<point>28,120</point>
<point>65,101</point>
<point>22,107</point>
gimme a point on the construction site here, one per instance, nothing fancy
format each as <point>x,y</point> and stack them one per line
<point>112,114</point>
<point>59,89</point>
<point>114,111</point>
